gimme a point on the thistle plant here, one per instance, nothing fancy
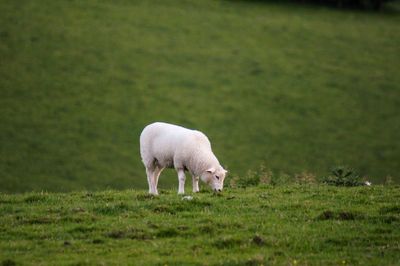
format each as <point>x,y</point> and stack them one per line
<point>343,176</point>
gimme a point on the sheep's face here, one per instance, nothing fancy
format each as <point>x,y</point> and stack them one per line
<point>215,178</point>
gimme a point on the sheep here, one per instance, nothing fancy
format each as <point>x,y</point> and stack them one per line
<point>164,145</point>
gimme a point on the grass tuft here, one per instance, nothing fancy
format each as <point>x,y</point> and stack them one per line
<point>112,209</point>
<point>167,232</point>
<point>117,234</point>
<point>143,197</point>
<point>227,242</point>
<point>8,262</point>
<point>98,241</point>
<point>395,209</point>
<point>341,215</point>
<point>35,198</point>
<point>258,240</point>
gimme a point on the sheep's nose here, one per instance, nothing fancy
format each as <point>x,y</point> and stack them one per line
<point>219,190</point>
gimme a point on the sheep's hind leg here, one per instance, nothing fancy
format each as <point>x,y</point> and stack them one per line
<point>181,178</point>
<point>195,180</point>
<point>150,179</point>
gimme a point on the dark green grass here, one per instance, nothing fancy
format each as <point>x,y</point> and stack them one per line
<point>296,88</point>
<point>287,225</point>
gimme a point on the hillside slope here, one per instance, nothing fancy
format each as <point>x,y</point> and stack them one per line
<point>283,225</point>
<point>295,88</point>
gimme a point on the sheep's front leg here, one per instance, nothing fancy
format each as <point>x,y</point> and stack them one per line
<point>156,175</point>
<point>195,184</point>
<point>181,178</point>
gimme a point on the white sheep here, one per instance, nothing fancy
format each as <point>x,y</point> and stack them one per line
<point>165,145</point>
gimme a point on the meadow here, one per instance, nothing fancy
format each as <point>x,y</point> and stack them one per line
<point>297,224</point>
<point>294,87</point>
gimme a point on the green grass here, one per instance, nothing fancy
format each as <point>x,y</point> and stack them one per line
<point>293,87</point>
<point>263,225</point>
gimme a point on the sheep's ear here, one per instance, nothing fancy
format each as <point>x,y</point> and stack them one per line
<point>211,170</point>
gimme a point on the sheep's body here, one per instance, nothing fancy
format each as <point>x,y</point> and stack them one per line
<point>165,145</point>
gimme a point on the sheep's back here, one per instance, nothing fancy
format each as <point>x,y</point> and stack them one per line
<point>166,143</point>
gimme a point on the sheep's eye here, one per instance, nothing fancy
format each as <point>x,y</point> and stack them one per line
<point>217,177</point>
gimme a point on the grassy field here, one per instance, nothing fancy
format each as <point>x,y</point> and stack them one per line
<point>297,88</point>
<point>262,225</point>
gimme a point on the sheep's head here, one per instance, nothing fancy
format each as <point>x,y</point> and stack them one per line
<point>215,178</point>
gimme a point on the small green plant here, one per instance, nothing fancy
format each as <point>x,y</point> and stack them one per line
<point>343,176</point>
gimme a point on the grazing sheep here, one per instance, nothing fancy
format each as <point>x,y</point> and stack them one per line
<point>165,145</point>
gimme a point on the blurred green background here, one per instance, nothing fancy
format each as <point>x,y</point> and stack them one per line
<point>294,87</point>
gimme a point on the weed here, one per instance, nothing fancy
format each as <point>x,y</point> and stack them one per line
<point>266,175</point>
<point>281,179</point>
<point>343,176</point>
